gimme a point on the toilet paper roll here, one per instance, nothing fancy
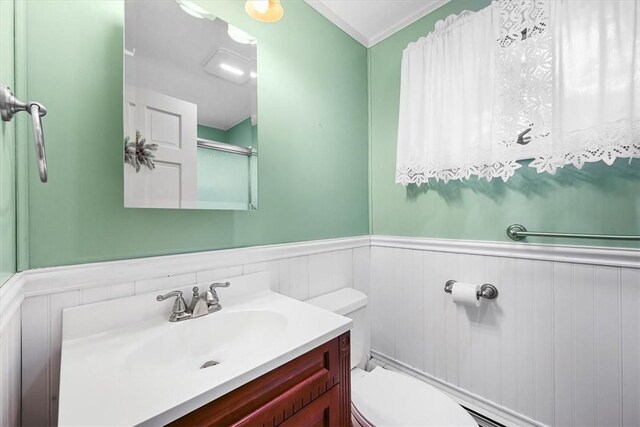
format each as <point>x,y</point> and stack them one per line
<point>465,293</point>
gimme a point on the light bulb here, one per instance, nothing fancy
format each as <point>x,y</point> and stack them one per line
<point>231,69</point>
<point>261,5</point>
<point>264,10</point>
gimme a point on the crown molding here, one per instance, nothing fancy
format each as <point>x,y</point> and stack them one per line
<point>367,42</point>
<point>338,22</point>
<point>406,22</point>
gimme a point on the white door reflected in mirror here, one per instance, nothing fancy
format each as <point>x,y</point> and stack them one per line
<point>191,95</point>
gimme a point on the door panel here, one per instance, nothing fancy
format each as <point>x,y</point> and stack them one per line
<point>170,123</point>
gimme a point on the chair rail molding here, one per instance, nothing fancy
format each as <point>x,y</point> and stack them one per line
<point>594,255</point>
<point>65,278</point>
<point>11,297</point>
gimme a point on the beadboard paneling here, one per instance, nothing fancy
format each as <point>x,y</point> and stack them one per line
<point>10,352</point>
<point>11,299</point>
<point>559,346</point>
<point>295,270</point>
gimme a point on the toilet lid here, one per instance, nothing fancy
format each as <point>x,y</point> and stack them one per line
<point>387,398</point>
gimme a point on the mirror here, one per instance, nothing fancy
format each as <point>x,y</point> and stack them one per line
<point>190,102</point>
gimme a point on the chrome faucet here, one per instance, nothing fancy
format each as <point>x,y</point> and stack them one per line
<point>201,303</point>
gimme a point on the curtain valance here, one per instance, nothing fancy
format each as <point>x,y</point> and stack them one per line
<point>553,81</point>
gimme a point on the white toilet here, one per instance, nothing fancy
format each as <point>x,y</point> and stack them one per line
<point>382,397</point>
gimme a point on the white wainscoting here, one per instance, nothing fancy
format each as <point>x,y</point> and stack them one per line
<point>559,346</point>
<point>299,270</point>
<point>10,351</point>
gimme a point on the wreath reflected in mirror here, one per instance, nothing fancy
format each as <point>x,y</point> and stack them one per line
<point>138,153</point>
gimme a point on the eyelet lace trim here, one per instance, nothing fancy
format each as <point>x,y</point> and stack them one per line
<point>524,73</point>
<point>605,143</point>
<point>418,175</point>
<point>519,16</point>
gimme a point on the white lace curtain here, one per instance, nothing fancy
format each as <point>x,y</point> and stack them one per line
<point>553,81</point>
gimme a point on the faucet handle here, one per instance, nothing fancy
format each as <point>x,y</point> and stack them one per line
<point>179,306</point>
<point>219,285</point>
<point>212,297</point>
<point>169,295</point>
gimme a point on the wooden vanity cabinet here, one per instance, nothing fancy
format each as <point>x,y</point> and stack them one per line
<point>311,390</point>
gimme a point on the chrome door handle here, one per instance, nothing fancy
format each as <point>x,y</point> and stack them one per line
<point>9,106</point>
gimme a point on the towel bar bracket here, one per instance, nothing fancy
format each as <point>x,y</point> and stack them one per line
<point>10,106</point>
<point>513,230</point>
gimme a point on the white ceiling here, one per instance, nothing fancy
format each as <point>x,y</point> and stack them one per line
<point>171,49</point>
<point>370,21</point>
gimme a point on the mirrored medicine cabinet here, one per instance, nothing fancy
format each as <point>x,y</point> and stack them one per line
<point>190,109</point>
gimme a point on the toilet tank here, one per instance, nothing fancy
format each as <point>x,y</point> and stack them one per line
<point>351,303</point>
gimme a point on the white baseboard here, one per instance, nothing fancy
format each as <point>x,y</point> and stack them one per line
<point>463,397</point>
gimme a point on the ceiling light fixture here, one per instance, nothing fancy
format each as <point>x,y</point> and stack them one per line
<point>264,10</point>
<point>231,69</point>
<point>194,10</point>
<point>253,74</point>
<point>240,36</point>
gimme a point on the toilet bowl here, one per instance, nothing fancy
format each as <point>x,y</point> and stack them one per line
<point>383,397</point>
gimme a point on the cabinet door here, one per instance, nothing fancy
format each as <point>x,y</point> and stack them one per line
<point>322,412</point>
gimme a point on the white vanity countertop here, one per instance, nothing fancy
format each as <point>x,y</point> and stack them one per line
<point>124,363</point>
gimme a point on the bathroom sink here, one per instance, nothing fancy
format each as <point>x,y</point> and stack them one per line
<point>222,337</point>
<point>124,363</point>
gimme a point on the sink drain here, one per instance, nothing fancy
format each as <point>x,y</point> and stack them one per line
<point>208,364</point>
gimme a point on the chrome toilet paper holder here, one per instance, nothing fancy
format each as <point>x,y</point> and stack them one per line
<point>486,291</point>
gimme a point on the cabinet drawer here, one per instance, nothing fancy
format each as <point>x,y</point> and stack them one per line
<point>289,404</point>
<point>322,412</point>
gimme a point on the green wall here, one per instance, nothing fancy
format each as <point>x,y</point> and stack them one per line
<point>596,199</point>
<point>7,150</point>
<point>243,134</point>
<point>214,134</point>
<point>223,180</point>
<point>315,86</point>
<point>313,139</point>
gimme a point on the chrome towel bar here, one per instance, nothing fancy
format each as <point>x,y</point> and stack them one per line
<point>10,105</point>
<point>518,232</point>
<point>227,148</point>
